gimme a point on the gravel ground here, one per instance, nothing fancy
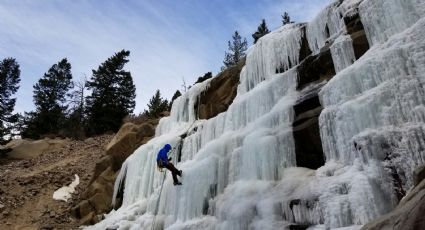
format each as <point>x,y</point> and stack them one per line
<point>27,186</point>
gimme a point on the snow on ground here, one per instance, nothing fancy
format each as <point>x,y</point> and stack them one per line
<point>65,192</point>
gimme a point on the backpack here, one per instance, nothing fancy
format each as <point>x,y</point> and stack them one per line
<point>160,165</point>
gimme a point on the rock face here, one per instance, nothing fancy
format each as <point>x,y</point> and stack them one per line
<point>98,196</point>
<point>316,68</point>
<point>409,214</point>
<point>356,30</point>
<point>308,146</point>
<point>221,92</point>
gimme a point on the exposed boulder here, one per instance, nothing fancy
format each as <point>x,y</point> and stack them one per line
<point>409,213</point>
<point>98,196</point>
<point>220,93</point>
<point>129,138</point>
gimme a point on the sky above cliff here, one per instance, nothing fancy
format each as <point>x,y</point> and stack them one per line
<point>169,40</point>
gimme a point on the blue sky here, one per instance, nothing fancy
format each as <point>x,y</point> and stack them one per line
<point>168,39</point>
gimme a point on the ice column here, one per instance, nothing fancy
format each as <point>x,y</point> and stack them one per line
<point>274,53</point>
<point>326,26</point>
<point>342,52</point>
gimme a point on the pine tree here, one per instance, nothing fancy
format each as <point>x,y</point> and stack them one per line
<point>261,31</point>
<point>206,76</point>
<point>50,97</point>
<point>113,95</point>
<point>237,49</point>
<point>9,84</point>
<point>175,96</point>
<point>156,106</point>
<point>286,19</point>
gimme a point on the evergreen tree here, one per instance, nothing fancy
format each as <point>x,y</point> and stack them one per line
<point>237,50</point>
<point>9,84</point>
<point>20,124</point>
<point>175,96</point>
<point>261,31</point>
<point>286,19</point>
<point>113,95</point>
<point>50,97</point>
<point>206,76</point>
<point>26,125</point>
<point>156,106</point>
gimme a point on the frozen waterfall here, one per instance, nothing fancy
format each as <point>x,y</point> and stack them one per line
<point>240,167</point>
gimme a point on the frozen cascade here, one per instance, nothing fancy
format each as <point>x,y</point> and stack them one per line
<point>385,87</point>
<point>384,18</point>
<point>342,52</point>
<point>326,26</point>
<point>183,112</point>
<point>328,29</point>
<point>276,52</point>
<point>239,167</point>
<point>243,150</point>
<point>374,109</point>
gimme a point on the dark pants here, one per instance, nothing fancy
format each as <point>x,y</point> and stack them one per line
<point>173,170</point>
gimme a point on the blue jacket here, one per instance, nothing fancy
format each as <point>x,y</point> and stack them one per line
<point>162,154</point>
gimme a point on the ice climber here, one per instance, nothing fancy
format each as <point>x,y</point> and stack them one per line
<point>163,161</point>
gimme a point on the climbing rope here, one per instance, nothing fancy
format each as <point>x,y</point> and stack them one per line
<point>159,197</point>
<point>163,180</point>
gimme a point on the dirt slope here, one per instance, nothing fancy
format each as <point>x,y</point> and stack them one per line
<point>27,186</point>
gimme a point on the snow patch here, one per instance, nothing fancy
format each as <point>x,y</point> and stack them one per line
<point>65,193</point>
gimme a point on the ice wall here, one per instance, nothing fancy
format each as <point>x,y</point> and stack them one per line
<point>382,19</point>
<point>240,166</point>
<point>243,151</point>
<point>374,109</point>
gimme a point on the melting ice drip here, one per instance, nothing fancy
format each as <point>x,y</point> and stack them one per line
<point>239,167</point>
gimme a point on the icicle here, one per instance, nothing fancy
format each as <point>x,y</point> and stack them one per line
<point>384,18</point>
<point>118,182</point>
<point>276,52</point>
<point>342,52</point>
<point>183,113</point>
<point>325,27</point>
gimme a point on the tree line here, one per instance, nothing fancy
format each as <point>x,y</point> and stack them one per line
<point>238,46</point>
<point>62,107</point>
